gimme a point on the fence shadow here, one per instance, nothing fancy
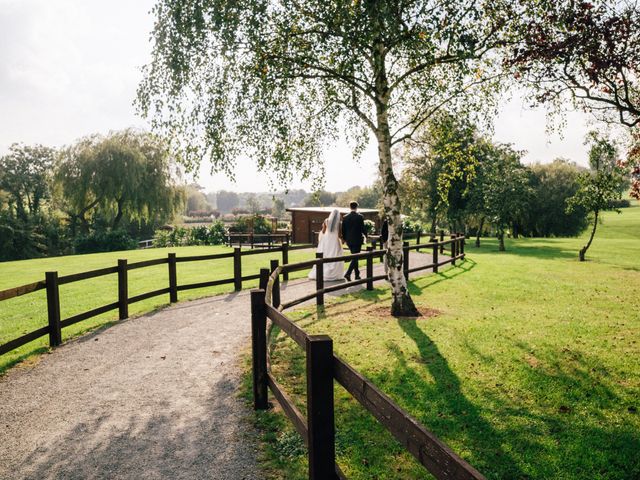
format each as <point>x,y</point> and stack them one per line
<point>417,285</point>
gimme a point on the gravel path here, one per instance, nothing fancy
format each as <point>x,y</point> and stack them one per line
<point>152,397</point>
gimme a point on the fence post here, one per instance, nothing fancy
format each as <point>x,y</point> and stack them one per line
<point>405,263</point>
<point>441,240</point>
<point>173,279</point>
<point>319,280</point>
<point>285,260</point>
<point>454,244</point>
<point>275,292</point>
<point>264,278</point>
<point>123,289</point>
<point>370,268</point>
<point>418,238</point>
<point>53,308</point>
<point>237,269</point>
<point>320,415</point>
<point>462,240</point>
<point>259,349</point>
<point>435,254</point>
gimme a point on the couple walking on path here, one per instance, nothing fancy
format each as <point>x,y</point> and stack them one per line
<point>333,234</point>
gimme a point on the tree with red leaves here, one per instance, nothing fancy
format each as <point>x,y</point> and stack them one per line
<point>586,51</point>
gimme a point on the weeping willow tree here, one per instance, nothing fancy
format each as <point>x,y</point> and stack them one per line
<point>280,80</point>
<point>127,175</point>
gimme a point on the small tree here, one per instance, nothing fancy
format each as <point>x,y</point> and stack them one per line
<point>506,189</point>
<point>24,176</point>
<point>253,205</point>
<point>600,186</point>
<point>278,209</point>
<point>440,164</point>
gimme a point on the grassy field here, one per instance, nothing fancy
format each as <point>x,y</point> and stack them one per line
<point>24,314</point>
<point>529,369</point>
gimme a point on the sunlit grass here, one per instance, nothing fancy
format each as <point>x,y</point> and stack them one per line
<point>530,370</point>
<point>24,314</point>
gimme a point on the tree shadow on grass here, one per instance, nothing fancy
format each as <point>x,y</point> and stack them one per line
<point>444,408</point>
<point>556,423</point>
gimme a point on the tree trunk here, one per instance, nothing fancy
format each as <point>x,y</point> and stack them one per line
<point>583,251</point>
<point>479,232</point>
<point>402,303</point>
<point>118,217</point>
<point>501,240</point>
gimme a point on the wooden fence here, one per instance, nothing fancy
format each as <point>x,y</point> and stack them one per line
<point>323,367</point>
<point>257,240</point>
<point>52,283</point>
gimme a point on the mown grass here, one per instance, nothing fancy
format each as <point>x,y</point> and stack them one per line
<point>24,314</point>
<point>529,371</point>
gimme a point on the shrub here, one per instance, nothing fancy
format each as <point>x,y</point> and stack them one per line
<point>217,233</point>
<point>105,241</point>
<point>244,224</point>
<point>619,203</point>
<point>369,227</point>
<point>213,234</point>
<point>161,239</point>
<point>411,226</point>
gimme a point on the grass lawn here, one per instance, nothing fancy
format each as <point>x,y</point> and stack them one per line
<point>530,369</point>
<point>26,313</point>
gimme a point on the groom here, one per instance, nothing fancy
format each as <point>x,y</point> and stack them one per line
<point>352,234</point>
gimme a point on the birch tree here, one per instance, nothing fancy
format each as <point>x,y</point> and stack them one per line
<point>280,80</point>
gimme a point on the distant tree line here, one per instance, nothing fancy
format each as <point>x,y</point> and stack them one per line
<point>101,193</point>
<point>457,179</point>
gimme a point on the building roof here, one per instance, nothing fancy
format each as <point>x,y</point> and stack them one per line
<point>329,209</point>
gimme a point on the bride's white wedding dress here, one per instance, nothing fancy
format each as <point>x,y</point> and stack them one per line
<point>330,246</point>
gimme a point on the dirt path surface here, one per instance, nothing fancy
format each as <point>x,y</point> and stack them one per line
<point>152,397</point>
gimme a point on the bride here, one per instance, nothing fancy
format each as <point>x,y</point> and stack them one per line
<point>329,245</point>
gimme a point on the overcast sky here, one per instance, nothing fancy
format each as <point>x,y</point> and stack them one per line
<point>69,68</point>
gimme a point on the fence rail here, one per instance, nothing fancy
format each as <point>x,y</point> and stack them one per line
<point>257,240</point>
<point>52,284</point>
<point>323,367</point>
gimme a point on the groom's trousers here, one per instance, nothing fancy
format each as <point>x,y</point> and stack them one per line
<point>353,265</point>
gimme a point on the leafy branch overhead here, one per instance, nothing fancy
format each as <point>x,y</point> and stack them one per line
<point>587,51</point>
<point>277,81</point>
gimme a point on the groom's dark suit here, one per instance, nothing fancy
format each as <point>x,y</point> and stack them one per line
<point>352,233</point>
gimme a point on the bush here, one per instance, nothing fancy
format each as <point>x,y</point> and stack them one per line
<point>35,237</point>
<point>619,203</point>
<point>369,227</point>
<point>244,224</point>
<point>411,226</point>
<point>105,241</point>
<point>161,239</point>
<point>213,234</point>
